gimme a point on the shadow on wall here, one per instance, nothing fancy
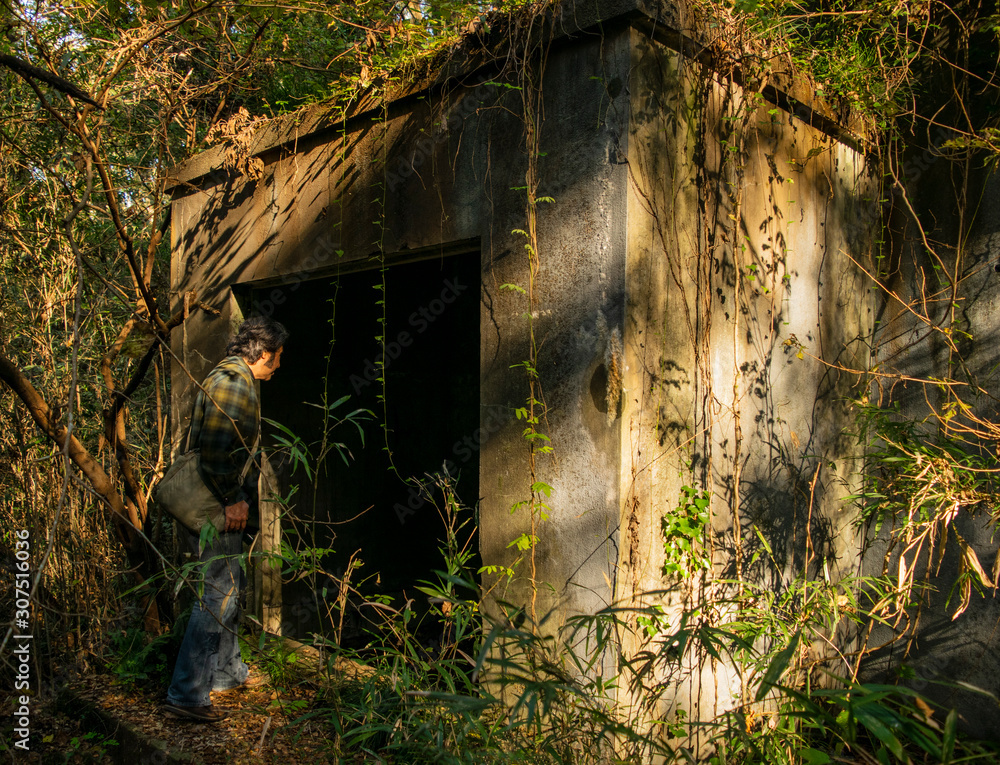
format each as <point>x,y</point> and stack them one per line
<point>779,510</point>
<point>947,651</point>
<point>279,217</point>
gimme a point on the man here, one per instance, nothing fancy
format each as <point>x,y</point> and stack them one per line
<point>225,427</point>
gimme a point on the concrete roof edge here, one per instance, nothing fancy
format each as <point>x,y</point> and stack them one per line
<point>663,19</point>
<point>575,16</point>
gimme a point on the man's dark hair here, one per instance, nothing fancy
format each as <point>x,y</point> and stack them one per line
<point>255,336</point>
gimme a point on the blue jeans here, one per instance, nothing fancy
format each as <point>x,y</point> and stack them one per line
<point>209,659</point>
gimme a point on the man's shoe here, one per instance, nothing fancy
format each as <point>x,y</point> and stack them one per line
<point>209,714</point>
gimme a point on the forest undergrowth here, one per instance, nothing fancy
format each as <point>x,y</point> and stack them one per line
<point>102,99</point>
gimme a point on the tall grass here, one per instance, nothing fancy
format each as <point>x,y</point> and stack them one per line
<point>501,688</point>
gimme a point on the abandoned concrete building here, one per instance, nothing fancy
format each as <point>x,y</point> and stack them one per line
<point>655,266</point>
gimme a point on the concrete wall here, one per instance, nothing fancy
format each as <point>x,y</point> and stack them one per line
<point>580,291</point>
<point>414,182</point>
<point>960,343</point>
<point>695,306</point>
<point>745,313</point>
<point>319,209</point>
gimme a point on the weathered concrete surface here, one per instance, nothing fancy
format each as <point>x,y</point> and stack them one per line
<point>960,342</point>
<point>695,316</point>
<point>439,173</point>
<point>744,318</point>
<point>577,323</point>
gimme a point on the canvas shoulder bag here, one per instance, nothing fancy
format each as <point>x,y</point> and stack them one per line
<point>184,495</point>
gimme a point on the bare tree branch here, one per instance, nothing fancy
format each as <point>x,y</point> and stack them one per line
<point>30,72</point>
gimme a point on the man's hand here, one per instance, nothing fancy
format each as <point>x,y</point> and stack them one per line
<point>236,516</point>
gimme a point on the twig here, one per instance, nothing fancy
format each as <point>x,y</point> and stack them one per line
<point>263,733</point>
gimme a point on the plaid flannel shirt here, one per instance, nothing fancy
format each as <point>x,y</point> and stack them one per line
<point>229,396</point>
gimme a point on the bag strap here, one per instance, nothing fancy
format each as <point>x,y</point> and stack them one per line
<point>256,441</point>
<point>253,450</point>
<point>187,441</point>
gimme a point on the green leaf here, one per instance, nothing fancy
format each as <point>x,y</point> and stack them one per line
<point>541,488</point>
<point>949,736</point>
<point>523,542</point>
<point>870,718</point>
<point>814,756</point>
<point>777,668</point>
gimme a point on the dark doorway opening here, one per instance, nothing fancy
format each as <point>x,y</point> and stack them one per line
<point>425,416</point>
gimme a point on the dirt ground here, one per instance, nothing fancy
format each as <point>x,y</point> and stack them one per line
<point>83,726</point>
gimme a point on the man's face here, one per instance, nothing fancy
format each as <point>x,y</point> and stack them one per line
<point>265,367</point>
